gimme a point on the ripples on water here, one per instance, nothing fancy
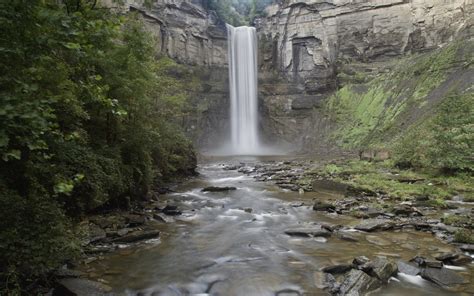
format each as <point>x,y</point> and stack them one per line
<point>233,243</point>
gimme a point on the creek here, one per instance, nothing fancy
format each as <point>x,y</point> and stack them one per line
<point>234,243</point>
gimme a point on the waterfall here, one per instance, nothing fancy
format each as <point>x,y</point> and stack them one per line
<point>243,89</point>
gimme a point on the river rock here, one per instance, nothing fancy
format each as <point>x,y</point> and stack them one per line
<point>374,224</point>
<point>96,233</point>
<point>407,268</point>
<point>384,269</point>
<point>324,207</point>
<point>316,231</point>
<point>406,210</point>
<point>442,276</point>
<point>357,282</point>
<point>461,260</point>
<point>467,247</point>
<point>80,287</point>
<point>135,220</point>
<point>171,211</point>
<point>338,269</point>
<point>377,240</point>
<point>218,189</point>
<point>162,218</point>
<point>137,236</point>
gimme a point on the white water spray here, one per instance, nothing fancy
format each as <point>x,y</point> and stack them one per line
<point>243,89</point>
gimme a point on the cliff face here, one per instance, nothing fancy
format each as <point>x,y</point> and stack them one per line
<point>306,45</point>
<point>187,32</point>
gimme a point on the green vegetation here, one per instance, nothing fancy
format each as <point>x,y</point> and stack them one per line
<point>464,236</point>
<point>377,113</point>
<point>88,120</point>
<point>444,141</point>
<point>238,12</point>
<point>383,178</point>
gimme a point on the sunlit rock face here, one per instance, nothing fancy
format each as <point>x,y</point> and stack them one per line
<point>303,43</point>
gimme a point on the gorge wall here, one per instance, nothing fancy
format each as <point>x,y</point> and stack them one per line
<point>187,32</point>
<point>310,48</point>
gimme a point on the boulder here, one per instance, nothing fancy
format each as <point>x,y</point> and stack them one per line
<point>384,269</point>
<point>442,276</point>
<point>338,269</point>
<point>316,231</point>
<point>357,282</point>
<point>135,220</point>
<point>80,287</point>
<point>218,189</point>
<point>137,236</point>
<point>324,207</point>
<point>461,260</point>
<point>171,211</point>
<point>408,268</point>
<point>96,233</point>
<point>374,225</point>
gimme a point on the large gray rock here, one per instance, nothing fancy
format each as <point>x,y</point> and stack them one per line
<point>357,282</point>
<point>384,269</point>
<point>442,276</point>
<point>407,268</point>
<point>374,225</point>
<point>80,287</point>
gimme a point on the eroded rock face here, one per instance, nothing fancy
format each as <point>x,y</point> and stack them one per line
<point>308,36</point>
<point>190,34</point>
<point>305,43</point>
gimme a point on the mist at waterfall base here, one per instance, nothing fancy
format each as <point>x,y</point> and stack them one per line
<point>243,89</point>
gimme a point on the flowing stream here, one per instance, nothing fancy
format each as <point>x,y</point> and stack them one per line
<point>243,89</point>
<point>233,243</point>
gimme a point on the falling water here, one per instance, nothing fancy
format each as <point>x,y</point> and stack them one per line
<point>243,89</point>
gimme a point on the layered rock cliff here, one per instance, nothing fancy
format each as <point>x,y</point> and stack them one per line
<point>190,34</point>
<point>310,48</point>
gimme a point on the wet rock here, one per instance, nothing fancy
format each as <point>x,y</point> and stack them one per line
<point>137,236</point>
<point>162,218</point>
<point>357,282</point>
<point>218,189</point>
<point>419,260</point>
<point>123,231</point>
<point>374,225</point>
<point>360,260</point>
<point>406,210</point>
<point>324,207</point>
<point>171,211</point>
<point>135,220</point>
<point>407,268</point>
<point>80,287</point>
<point>384,269</point>
<point>433,264</point>
<point>332,285</point>
<point>442,277</point>
<point>447,256</point>
<point>338,269</point>
<point>460,260</point>
<point>377,240</point>
<point>96,233</point>
<point>316,231</point>
<point>467,247</point>
<point>248,210</point>
<point>347,237</point>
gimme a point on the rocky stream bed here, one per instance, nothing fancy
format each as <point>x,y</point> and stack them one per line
<point>259,227</point>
